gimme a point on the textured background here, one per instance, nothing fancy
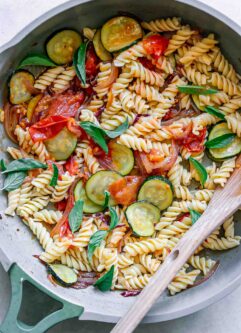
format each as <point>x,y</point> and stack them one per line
<point>222,317</point>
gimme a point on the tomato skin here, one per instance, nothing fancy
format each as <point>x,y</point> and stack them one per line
<point>66,105</point>
<point>61,205</point>
<point>147,63</point>
<point>155,45</point>
<point>194,143</point>
<point>71,166</point>
<point>124,190</point>
<point>91,62</point>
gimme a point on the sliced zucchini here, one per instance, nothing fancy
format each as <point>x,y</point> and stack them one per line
<point>20,87</point>
<point>157,190</point>
<point>196,101</point>
<point>62,274</point>
<point>62,145</point>
<point>120,32</point>
<point>122,158</point>
<point>62,45</point>
<point>98,184</point>
<point>89,206</point>
<point>101,52</point>
<point>220,154</point>
<point>32,105</point>
<point>142,216</point>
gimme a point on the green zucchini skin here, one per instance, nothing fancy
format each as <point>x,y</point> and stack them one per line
<point>156,188</point>
<point>101,52</point>
<point>63,275</point>
<point>98,183</point>
<point>141,216</point>
<point>231,150</point>
<point>89,206</point>
<point>62,44</point>
<point>18,91</point>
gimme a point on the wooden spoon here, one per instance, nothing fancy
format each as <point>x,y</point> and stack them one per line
<point>223,204</point>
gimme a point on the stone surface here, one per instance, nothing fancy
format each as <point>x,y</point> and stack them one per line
<point>222,317</point>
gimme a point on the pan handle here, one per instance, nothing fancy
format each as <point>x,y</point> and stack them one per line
<point>11,322</point>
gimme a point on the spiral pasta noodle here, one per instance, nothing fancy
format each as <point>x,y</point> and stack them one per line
<point>234,123</point>
<point>160,25</point>
<point>48,77</point>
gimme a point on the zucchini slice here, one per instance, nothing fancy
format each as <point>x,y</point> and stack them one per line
<point>98,184</point>
<point>101,52</point>
<point>157,190</point>
<point>62,45</point>
<point>62,274</point>
<point>120,32</point>
<point>19,85</point>
<point>220,154</point>
<point>80,194</point>
<point>62,145</point>
<point>141,217</point>
<point>197,102</point>
<point>122,158</point>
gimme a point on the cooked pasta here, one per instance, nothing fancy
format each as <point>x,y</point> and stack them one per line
<point>104,147</point>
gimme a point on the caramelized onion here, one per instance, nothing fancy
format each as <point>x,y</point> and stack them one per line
<point>11,119</point>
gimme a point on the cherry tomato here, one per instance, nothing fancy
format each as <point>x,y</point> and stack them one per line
<point>195,143</point>
<point>155,45</point>
<point>91,62</point>
<point>71,166</point>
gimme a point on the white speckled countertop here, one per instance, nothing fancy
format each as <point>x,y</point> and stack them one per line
<point>223,317</point>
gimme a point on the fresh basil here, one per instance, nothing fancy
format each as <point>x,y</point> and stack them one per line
<point>215,112</point>
<point>79,62</point>
<point>221,141</point>
<point>95,241</point>
<point>76,216</point>
<point>36,60</point>
<point>118,131</point>
<point>194,215</point>
<point>54,179</point>
<point>107,199</point>
<point>3,165</point>
<point>14,180</point>
<point>104,283</point>
<point>24,164</point>
<point>113,218</point>
<point>202,172</point>
<point>196,90</point>
<point>96,133</point>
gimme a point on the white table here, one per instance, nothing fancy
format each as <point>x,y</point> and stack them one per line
<point>223,317</point>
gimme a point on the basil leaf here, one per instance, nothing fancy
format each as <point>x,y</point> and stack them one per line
<point>221,141</point>
<point>215,112</point>
<point>14,180</point>
<point>95,241</point>
<point>79,62</point>
<point>24,164</point>
<point>36,60</point>
<point>54,179</point>
<point>104,283</point>
<point>118,131</point>
<point>3,165</point>
<point>202,172</point>
<point>113,219</point>
<point>76,215</point>
<point>96,133</point>
<point>196,90</point>
<point>107,199</point>
<point>194,215</point>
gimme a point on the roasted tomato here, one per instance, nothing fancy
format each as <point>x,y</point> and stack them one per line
<point>66,105</point>
<point>194,143</point>
<point>155,45</point>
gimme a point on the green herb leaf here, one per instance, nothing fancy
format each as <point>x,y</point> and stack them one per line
<point>96,133</point>
<point>79,62</point>
<point>118,131</point>
<point>54,179</point>
<point>76,215</point>
<point>3,165</point>
<point>194,215</point>
<point>215,112</point>
<point>113,218</point>
<point>104,283</point>
<point>196,90</point>
<point>221,141</point>
<point>95,241</point>
<point>36,60</point>
<point>107,199</point>
<point>202,172</point>
<point>14,180</point>
<point>24,164</point>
